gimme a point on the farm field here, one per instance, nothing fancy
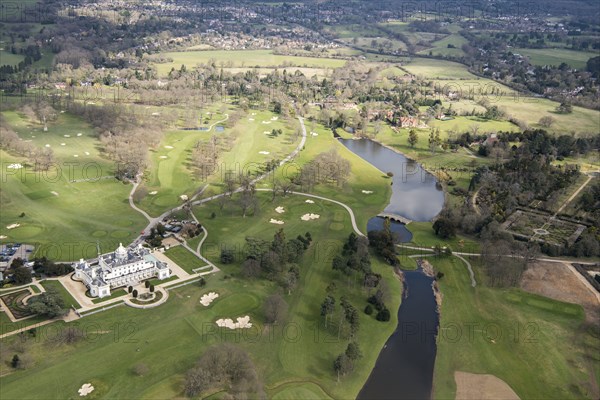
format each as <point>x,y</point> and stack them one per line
<point>287,366</point>
<point>242,58</point>
<point>87,209</point>
<point>440,47</point>
<point>576,59</point>
<point>504,331</point>
<point>450,76</point>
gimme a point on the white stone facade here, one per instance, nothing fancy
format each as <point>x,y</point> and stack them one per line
<point>123,267</point>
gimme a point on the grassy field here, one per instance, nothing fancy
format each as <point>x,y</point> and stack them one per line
<point>242,58</point>
<point>536,345</point>
<point>455,77</point>
<point>438,69</point>
<point>171,174</point>
<point>576,59</point>
<point>184,258</point>
<point>440,47</point>
<point>363,176</point>
<point>295,360</point>
<point>83,213</point>
<point>8,58</point>
<point>64,293</point>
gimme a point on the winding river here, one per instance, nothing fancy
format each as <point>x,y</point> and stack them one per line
<point>404,368</point>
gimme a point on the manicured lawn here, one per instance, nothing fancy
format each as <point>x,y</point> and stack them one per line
<point>171,174</point>
<point>184,258</point>
<point>242,58</point>
<point>535,344</point>
<point>113,294</point>
<point>294,359</point>
<point>64,293</point>
<point>66,218</point>
<point>576,59</point>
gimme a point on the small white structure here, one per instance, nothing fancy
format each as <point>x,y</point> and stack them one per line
<point>124,266</point>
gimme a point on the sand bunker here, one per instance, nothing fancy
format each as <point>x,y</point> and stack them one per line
<point>67,135</point>
<point>155,113</point>
<point>54,193</point>
<point>15,166</point>
<point>276,221</point>
<point>47,145</point>
<point>163,157</point>
<point>314,134</point>
<point>367,191</point>
<point>206,299</point>
<point>250,119</point>
<point>309,201</point>
<point>266,122</point>
<point>75,155</point>
<point>267,132</point>
<point>253,113</point>
<point>87,153</point>
<point>13,226</point>
<point>183,197</point>
<point>263,152</point>
<point>481,387</point>
<point>3,237</point>
<point>274,118</point>
<point>242,322</point>
<point>308,217</point>
<point>80,134</point>
<point>169,147</point>
<point>86,389</point>
<point>153,192</point>
<point>63,144</point>
<point>280,210</point>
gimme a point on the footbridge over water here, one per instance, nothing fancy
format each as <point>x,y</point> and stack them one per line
<point>395,217</point>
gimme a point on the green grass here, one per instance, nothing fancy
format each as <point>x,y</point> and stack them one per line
<point>542,352</point>
<point>576,59</point>
<point>438,69</point>
<point>184,258</point>
<point>290,368</point>
<point>114,294</point>
<point>60,289</point>
<point>171,174</point>
<point>8,58</point>
<point>66,219</point>
<point>242,58</point>
<point>440,47</point>
<point>453,76</point>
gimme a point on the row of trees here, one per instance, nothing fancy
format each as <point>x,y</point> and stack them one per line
<point>353,262</point>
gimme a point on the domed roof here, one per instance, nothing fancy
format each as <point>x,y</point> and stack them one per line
<point>121,252</point>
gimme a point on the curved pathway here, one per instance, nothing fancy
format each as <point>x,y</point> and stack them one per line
<point>163,299</point>
<point>314,196</point>
<point>154,220</point>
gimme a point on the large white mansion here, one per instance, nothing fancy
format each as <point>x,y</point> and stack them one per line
<point>124,266</point>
